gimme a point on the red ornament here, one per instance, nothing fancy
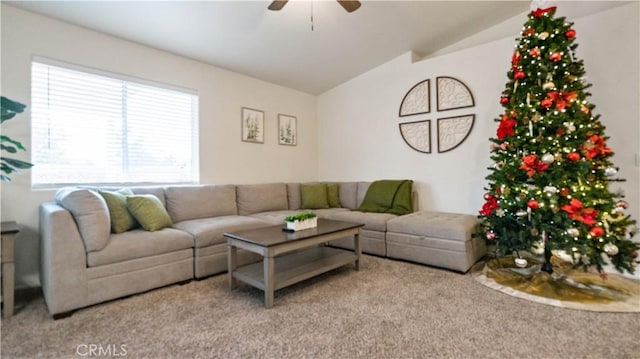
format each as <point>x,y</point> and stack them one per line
<point>597,231</point>
<point>487,196</point>
<point>519,75</point>
<point>533,204</point>
<point>634,254</point>
<point>504,100</point>
<point>491,236</point>
<point>570,34</point>
<point>546,102</point>
<point>555,57</point>
<point>564,191</point>
<point>573,156</point>
<point>529,31</point>
<point>535,52</point>
<point>585,109</point>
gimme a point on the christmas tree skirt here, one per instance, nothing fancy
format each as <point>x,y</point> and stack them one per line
<point>566,287</point>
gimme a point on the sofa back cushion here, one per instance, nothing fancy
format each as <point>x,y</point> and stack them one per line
<point>256,198</point>
<point>194,202</point>
<point>348,194</point>
<point>293,195</point>
<point>91,214</point>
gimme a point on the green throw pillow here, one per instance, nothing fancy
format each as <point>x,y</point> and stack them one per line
<point>121,219</point>
<point>333,195</point>
<point>314,196</point>
<point>149,212</point>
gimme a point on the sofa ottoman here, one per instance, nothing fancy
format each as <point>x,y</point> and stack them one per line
<point>435,238</point>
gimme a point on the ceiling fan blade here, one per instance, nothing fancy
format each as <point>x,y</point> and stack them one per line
<point>350,5</point>
<point>277,5</point>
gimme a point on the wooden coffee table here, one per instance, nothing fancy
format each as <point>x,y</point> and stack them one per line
<point>290,257</point>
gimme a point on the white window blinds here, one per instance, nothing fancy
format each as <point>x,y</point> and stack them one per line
<point>90,128</point>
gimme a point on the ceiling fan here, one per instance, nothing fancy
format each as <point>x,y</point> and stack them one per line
<point>350,6</point>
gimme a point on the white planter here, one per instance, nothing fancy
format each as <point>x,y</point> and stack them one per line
<point>302,225</point>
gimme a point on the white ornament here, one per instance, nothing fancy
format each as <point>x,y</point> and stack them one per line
<point>610,171</point>
<point>573,232</point>
<point>610,249</point>
<point>500,213</point>
<point>570,126</point>
<point>548,158</point>
<point>521,213</point>
<point>543,35</point>
<point>548,85</point>
<point>520,262</point>
<point>551,189</point>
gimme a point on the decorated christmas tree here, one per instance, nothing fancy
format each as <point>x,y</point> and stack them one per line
<point>548,189</point>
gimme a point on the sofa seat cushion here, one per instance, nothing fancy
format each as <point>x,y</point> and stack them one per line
<point>208,231</point>
<point>452,226</point>
<point>277,217</point>
<point>139,243</point>
<point>371,221</point>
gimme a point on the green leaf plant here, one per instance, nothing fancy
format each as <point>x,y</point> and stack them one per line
<point>8,110</point>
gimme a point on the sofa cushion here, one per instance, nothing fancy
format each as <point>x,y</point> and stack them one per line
<point>371,221</point>
<point>148,211</point>
<point>348,193</point>
<point>208,231</point>
<point>452,226</point>
<point>121,218</point>
<point>256,198</point>
<point>193,202</point>
<point>293,195</point>
<point>314,196</point>
<point>139,243</point>
<point>277,217</point>
<point>333,195</point>
<point>91,214</point>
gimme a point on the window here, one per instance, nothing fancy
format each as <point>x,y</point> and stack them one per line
<point>90,127</point>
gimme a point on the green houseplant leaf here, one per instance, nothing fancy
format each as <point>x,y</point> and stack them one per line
<point>8,110</point>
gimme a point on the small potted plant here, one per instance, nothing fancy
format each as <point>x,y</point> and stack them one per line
<point>301,221</point>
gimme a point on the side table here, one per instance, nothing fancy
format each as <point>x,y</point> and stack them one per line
<point>7,249</point>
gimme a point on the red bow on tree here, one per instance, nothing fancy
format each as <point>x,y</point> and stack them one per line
<point>561,99</point>
<point>506,127</point>
<point>576,212</point>
<point>595,146</point>
<point>531,164</point>
<point>539,12</point>
<point>490,205</point>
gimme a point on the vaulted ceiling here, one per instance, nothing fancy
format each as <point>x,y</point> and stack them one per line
<point>281,47</point>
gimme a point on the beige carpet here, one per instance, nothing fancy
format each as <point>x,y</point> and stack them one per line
<point>389,309</point>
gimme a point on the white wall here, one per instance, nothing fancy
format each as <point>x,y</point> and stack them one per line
<point>223,157</point>
<point>358,135</point>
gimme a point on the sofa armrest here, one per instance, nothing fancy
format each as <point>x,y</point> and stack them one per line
<point>63,260</point>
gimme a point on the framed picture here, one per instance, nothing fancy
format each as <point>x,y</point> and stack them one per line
<point>287,130</point>
<point>252,125</point>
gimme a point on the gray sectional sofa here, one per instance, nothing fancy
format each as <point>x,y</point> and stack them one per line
<point>83,263</point>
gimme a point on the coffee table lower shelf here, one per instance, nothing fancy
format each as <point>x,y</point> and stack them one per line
<point>295,267</point>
